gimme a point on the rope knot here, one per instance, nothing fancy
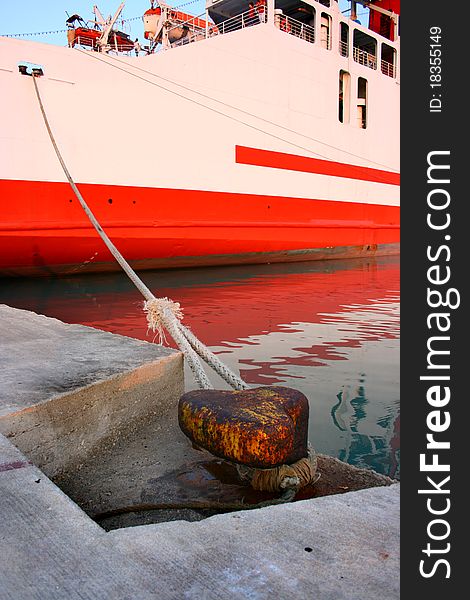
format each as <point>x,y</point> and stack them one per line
<point>157,310</point>
<point>284,477</point>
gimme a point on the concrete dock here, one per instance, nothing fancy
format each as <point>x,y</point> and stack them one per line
<point>71,395</point>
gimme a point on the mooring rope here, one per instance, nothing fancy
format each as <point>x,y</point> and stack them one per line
<point>165,313</point>
<point>161,312</point>
<point>283,477</point>
<point>288,495</point>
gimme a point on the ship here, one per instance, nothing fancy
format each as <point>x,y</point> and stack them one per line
<point>255,133</point>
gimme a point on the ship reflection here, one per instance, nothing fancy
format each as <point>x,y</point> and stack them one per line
<point>329,329</point>
<point>364,449</point>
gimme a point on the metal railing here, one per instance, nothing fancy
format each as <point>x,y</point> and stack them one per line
<point>194,35</point>
<point>84,42</point>
<point>388,68</point>
<point>113,47</point>
<point>325,40</point>
<point>245,19</point>
<point>364,58</point>
<point>343,48</point>
<point>295,28</point>
<point>287,25</point>
<point>248,19</point>
<point>194,27</point>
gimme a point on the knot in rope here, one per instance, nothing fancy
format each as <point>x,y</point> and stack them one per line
<point>285,477</point>
<point>157,311</point>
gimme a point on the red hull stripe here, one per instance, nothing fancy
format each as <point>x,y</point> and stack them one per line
<point>293,162</point>
<point>42,225</point>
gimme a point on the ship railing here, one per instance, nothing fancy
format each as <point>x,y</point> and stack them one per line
<point>343,48</point>
<point>92,45</point>
<point>195,34</point>
<point>124,49</point>
<point>191,24</point>
<point>245,19</point>
<point>295,28</point>
<point>388,68</point>
<point>364,58</point>
<point>249,19</point>
<point>85,41</point>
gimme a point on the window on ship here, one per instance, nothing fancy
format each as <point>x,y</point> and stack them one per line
<point>297,18</point>
<point>344,39</point>
<point>362,103</point>
<point>364,49</point>
<point>388,60</point>
<point>386,26</point>
<point>344,97</point>
<point>325,33</point>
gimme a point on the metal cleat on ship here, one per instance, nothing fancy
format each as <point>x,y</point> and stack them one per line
<point>31,69</point>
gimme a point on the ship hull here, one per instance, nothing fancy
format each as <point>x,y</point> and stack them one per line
<point>42,268</point>
<point>167,228</point>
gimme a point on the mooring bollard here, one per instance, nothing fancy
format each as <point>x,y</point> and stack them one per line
<point>265,430</point>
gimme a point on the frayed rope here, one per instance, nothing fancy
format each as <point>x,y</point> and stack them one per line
<point>155,311</point>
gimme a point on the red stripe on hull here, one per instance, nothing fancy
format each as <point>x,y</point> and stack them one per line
<point>43,228</point>
<point>294,162</point>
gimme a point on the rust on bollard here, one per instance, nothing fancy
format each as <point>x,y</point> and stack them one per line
<point>262,427</point>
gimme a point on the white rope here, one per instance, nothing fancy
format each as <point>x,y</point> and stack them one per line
<point>171,324</point>
<point>161,312</point>
<point>213,361</point>
<point>156,314</point>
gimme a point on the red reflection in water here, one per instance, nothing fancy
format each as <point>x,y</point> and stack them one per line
<point>228,308</point>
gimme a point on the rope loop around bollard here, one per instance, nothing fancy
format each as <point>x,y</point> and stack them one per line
<point>284,477</point>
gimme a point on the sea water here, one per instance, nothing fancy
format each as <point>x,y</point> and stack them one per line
<point>329,329</point>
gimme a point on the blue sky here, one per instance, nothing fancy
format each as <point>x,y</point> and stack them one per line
<point>37,16</point>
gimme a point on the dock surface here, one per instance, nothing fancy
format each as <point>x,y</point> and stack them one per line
<point>42,357</point>
<point>70,392</point>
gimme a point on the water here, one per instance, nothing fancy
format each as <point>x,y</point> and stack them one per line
<point>329,329</point>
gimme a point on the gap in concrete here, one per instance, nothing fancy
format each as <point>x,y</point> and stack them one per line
<point>157,465</point>
<point>151,462</point>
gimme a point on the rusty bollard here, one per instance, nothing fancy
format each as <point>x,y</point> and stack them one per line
<point>261,428</point>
